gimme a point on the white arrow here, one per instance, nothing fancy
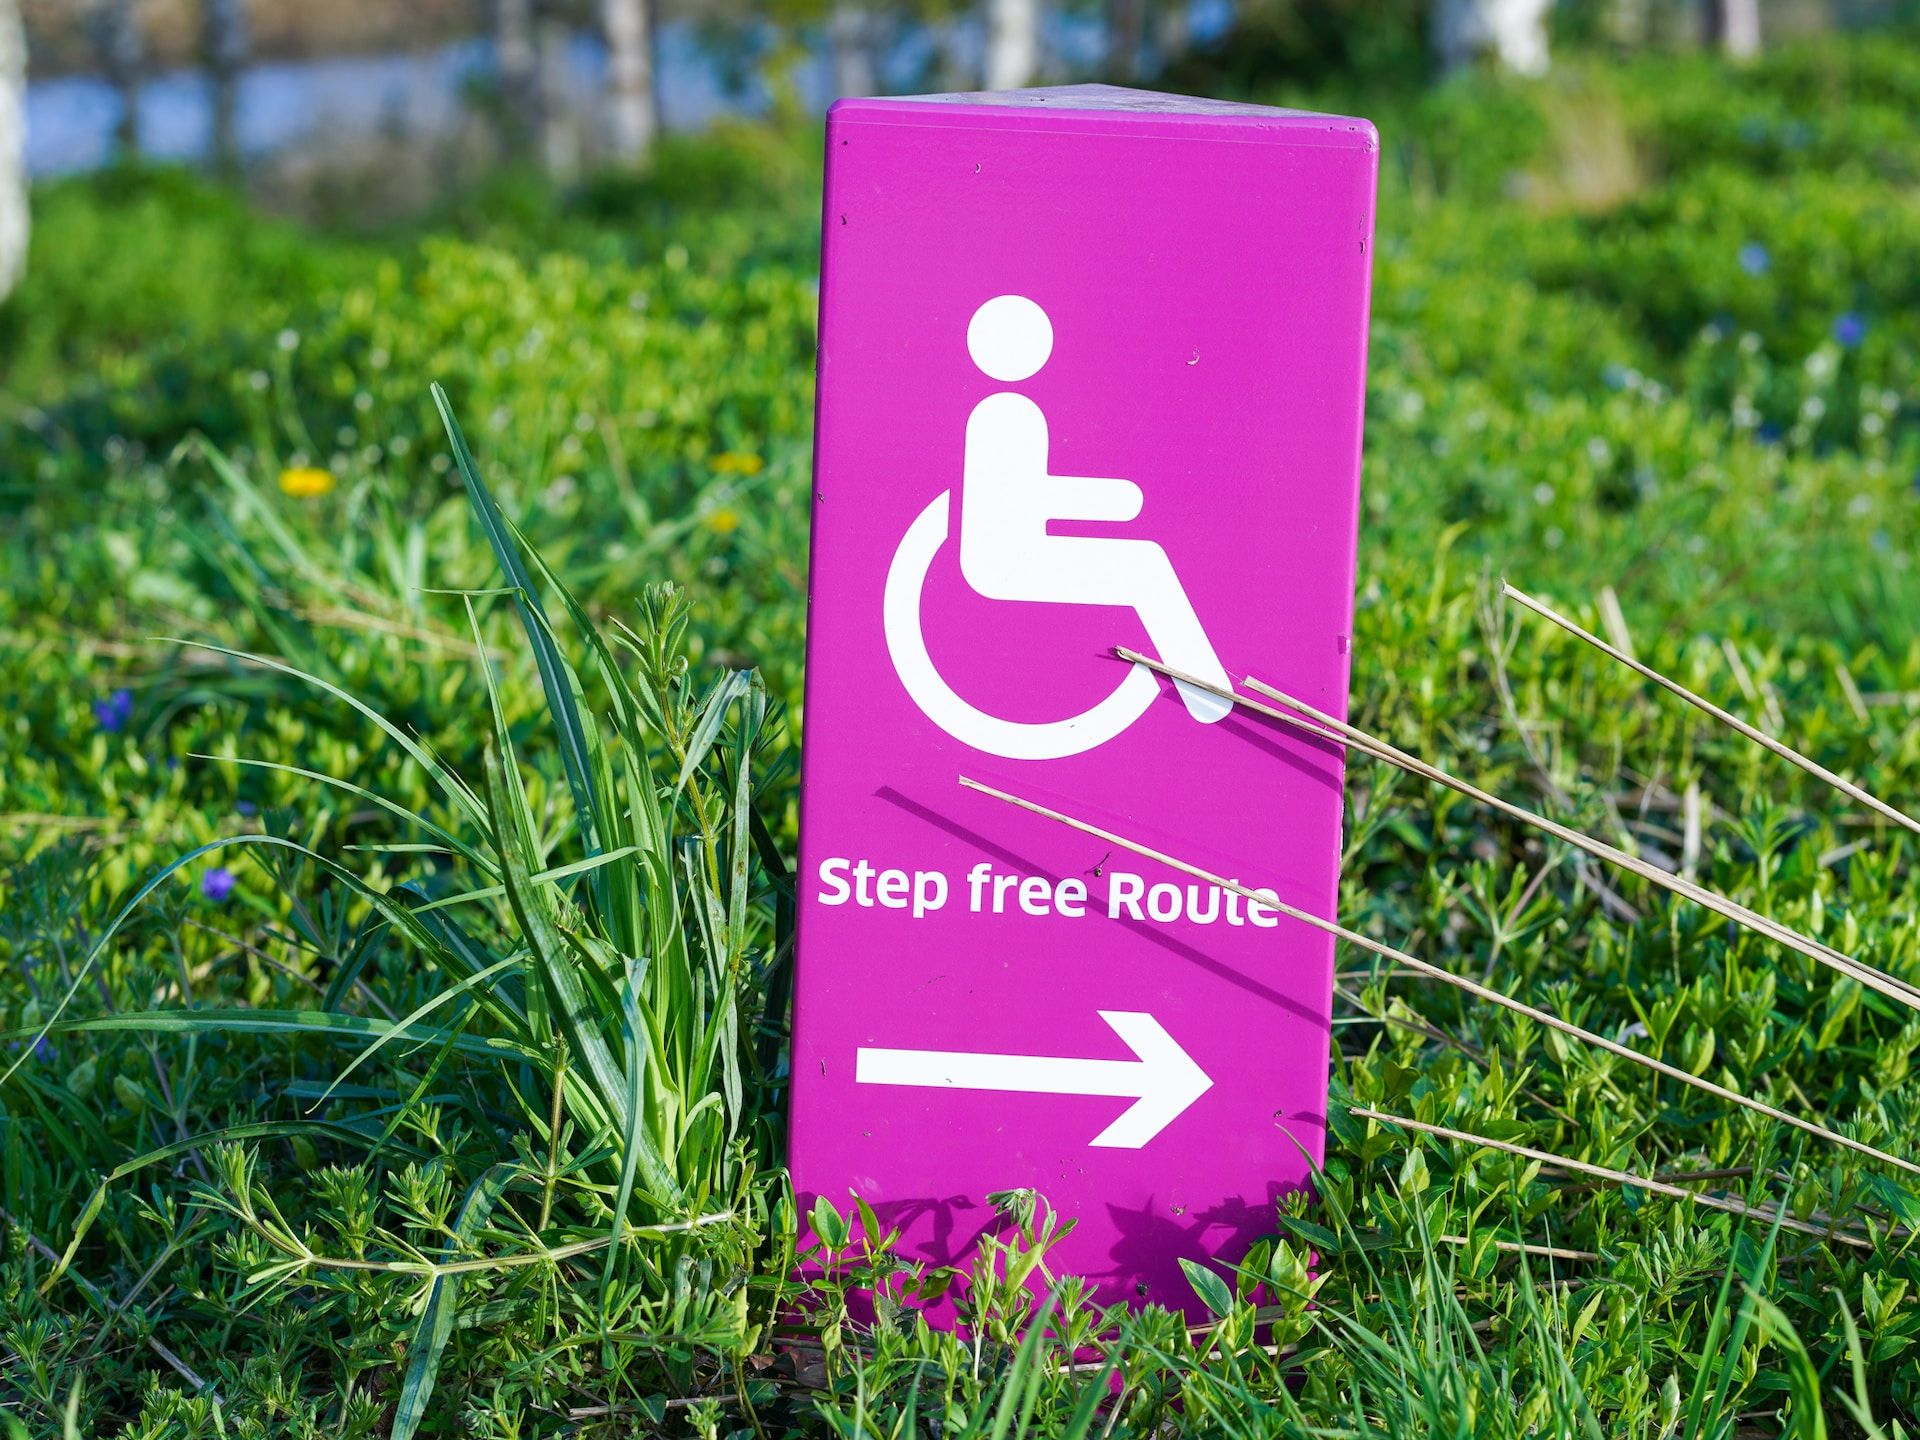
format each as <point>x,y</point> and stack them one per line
<point>1163,1081</point>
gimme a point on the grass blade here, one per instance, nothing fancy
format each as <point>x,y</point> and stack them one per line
<point>557,679</point>
<point>555,960</point>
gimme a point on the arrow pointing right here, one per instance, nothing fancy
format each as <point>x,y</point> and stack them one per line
<point>1162,1080</point>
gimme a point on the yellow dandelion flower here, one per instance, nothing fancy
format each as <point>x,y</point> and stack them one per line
<point>304,482</point>
<point>723,521</point>
<point>738,462</point>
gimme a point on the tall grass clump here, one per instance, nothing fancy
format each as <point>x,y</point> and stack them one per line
<point>567,1106</point>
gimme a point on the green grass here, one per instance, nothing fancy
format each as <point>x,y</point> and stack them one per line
<point>461,1112</point>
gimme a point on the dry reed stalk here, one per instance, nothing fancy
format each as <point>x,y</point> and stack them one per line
<point>1413,962</point>
<point>1322,726</point>
<point>1620,1177</point>
<point>1336,731</point>
<point>1519,1247</point>
<point>1733,722</point>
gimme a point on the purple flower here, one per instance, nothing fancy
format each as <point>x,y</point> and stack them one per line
<point>1850,329</point>
<point>217,884</point>
<point>114,711</point>
<point>246,807</point>
<point>1754,258</point>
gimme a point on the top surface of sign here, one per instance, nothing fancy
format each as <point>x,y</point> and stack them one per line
<point>1120,99</point>
<point>1091,374</point>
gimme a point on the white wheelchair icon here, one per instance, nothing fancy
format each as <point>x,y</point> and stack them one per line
<point>1008,497</point>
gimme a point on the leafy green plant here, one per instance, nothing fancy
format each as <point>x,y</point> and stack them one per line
<point>610,986</point>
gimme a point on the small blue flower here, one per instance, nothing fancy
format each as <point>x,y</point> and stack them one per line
<point>1754,258</point>
<point>217,883</point>
<point>1850,329</point>
<point>1769,433</point>
<point>246,807</point>
<point>114,711</point>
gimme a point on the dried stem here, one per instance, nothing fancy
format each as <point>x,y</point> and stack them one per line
<point>1495,997</point>
<point>1519,1247</point>
<point>1734,722</point>
<point>1335,731</point>
<point>1891,986</point>
<point>1620,1177</point>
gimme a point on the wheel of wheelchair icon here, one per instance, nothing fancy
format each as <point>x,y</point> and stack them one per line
<point>940,703</point>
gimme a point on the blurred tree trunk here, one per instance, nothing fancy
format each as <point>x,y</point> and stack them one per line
<point>514,58</point>
<point>1172,32</point>
<point>223,44</point>
<point>1126,37</point>
<point>553,44</point>
<point>851,31</point>
<point>953,68</point>
<point>13,147</point>
<point>1734,25</point>
<point>633,100</point>
<point>1628,23</point>
<point>116,35</point>
<point>1511,32</point>
<point>1013,43</point>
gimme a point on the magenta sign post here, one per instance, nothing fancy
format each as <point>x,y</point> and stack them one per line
<point>1092,365</point>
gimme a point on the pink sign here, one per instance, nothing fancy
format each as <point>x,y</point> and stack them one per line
<point>1092,365</point>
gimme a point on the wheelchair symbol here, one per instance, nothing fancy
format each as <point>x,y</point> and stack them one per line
<point>1008,498</point>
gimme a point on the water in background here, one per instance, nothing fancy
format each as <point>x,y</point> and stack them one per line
<point>71,119</point>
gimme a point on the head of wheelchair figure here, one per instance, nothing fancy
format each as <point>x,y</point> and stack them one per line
<point>1010,338</point>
